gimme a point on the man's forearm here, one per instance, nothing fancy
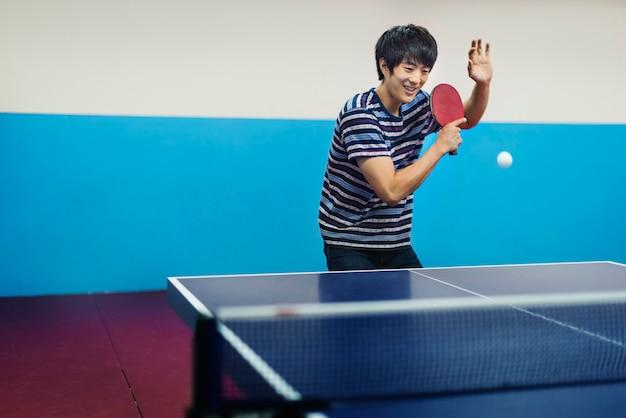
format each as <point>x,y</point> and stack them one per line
<point>476,105</point>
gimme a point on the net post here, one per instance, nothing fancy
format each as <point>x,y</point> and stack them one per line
<point>206,370</point>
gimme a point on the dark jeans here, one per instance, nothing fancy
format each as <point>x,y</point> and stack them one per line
<point>344,258</point>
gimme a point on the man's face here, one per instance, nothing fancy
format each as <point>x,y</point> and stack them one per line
<point>406,80</point>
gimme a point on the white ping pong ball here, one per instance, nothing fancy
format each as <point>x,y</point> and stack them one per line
<point>505,159</point>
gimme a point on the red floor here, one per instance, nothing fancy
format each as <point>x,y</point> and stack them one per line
<point>104,355</point>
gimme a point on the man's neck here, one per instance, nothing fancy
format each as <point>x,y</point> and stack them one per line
<point>390,104</point>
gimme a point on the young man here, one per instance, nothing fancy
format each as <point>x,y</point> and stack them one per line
<point>366,208</point>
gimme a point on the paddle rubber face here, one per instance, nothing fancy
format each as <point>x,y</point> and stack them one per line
<point>446,105</point>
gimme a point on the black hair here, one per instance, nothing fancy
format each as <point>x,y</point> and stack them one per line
<point>405,42</point>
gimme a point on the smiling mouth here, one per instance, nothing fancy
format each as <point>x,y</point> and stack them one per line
<point>410,90</point>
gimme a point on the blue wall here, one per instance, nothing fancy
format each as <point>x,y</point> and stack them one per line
<point>104,203</point>
<point>563,199</point>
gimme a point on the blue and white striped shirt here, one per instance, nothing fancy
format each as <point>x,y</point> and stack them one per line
<point>350,213</point>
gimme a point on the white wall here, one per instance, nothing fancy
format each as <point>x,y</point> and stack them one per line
<point>294,59</point>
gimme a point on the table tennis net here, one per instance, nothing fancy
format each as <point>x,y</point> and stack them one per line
<point>424,352</point>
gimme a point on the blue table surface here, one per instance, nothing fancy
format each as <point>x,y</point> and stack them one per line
<point>328,287</point>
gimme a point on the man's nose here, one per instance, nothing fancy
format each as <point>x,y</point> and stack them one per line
<point>417,80</point>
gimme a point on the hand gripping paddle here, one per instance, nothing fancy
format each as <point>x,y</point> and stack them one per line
<point>446,105</point>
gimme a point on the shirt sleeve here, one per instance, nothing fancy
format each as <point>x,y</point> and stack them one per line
<point>362,135</point>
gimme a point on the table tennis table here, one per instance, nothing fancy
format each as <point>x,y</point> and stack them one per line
<point>480,341</point>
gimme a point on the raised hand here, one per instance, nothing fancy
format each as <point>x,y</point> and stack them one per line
<point>479,67</point>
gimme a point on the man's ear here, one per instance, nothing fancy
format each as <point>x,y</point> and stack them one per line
<point>382,64</point>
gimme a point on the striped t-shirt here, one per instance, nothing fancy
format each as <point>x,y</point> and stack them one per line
<point>350,213</point>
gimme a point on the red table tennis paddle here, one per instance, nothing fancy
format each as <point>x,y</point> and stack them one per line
<point>446,105</point>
